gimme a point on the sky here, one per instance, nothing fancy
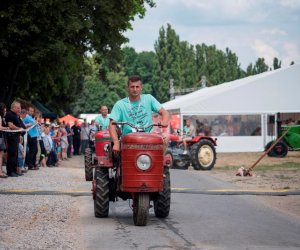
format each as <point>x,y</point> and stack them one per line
<point>249,28</point>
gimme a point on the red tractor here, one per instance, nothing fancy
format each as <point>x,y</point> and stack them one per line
<point>140,172</point>
<point>201,152</point>
<point>92,155</point>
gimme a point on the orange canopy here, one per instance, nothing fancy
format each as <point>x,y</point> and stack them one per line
<point>68,119</point>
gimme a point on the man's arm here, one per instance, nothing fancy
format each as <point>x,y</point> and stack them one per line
<point>13,126</point>
<point>165,117</point>
<point>114,136</point>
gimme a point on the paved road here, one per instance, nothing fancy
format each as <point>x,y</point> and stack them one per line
<point>202,215</point>
<point>196,221</point>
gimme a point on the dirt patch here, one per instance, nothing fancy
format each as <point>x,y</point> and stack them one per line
<point>263,180</point>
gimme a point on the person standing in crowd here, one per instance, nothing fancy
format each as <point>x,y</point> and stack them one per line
<point>48,144</point>
<point>52,157</point>
<point>136,109</point>
<point>102,120</point>
<point>14,123</point>
<point>32,137</point>
<point>40,156</point>
<point>21,157</point>
<point>76,137</point>
<point>2,138</point>
<point>84,135</point>
<point>70,140</point>
<point>56,139</point>
<point>63,141</point>
<point>93,126</point>
<point>188,134</point>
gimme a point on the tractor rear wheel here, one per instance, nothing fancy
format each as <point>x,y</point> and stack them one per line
<point>141,208</point>
<point>269,144</point>
<point>203,154</point>
<point>163,200</point>
<point>88,164</point>
<point>101,201</point>
<point>280,150</point>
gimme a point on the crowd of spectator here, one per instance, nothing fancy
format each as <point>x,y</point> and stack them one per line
<point>28,142</point>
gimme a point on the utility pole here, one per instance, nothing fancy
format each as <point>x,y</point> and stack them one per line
<point>203,81</point>
<point>172,90</point>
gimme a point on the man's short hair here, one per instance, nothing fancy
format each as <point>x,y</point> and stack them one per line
<point>134,78</point>
<point>14,103</point>
<point>30,107</point>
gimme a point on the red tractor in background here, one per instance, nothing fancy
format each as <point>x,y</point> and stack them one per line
<point>140,172</point>
<point>92,155</point>
<point>201,152</point>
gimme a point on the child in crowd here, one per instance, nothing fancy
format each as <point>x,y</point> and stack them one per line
<point>21,157</point>
<point>63,141</point>
<point>50,156</point>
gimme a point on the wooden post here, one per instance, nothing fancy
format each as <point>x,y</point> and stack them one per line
<point>262,156</point>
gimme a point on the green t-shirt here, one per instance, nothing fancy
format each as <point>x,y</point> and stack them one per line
<point>138,113</point>
<point>102,121</point>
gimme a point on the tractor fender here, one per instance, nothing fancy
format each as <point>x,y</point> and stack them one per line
<point>201,137</point>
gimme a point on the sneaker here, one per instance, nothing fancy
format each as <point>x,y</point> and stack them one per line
<point>185,152</point>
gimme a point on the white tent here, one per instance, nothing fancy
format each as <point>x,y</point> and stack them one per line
<point>264,94</point>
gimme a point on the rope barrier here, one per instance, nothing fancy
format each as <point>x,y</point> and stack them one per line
<point>18,130</point>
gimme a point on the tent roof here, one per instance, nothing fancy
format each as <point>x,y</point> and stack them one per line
<point>45,112</point>
<point>269,92</point>
<point>68,119</point>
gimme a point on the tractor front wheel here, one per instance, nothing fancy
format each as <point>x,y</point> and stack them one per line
<point>141,208</point>
<point>101,201</point>
<point>203,154</point>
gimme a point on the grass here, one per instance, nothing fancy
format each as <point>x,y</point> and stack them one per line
<point>290,166</point>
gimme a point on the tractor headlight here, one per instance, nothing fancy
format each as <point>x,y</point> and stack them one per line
<point>143,162</point>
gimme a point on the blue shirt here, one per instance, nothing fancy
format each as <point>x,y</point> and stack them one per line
<point>33,132</point>
<point>138,113</point>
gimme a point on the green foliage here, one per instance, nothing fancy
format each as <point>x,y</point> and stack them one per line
<point>175,59</point>
<point>44,47</point>
<point>96,91</point>
<point>276,63</point>
<point>43,44</point>
<point>167,49</point>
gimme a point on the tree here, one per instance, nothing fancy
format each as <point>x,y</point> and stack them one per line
<point>167,49</point>
<point>276,63</point>
<point>96,91</point>
<point>142,64</point>
<point>43,44</point>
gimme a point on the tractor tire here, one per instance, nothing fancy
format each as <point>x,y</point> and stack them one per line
<point>280,150</point>
<point>269,144</point>
<point>88,164</point>
<point>169,154</point>
<point>141,209</point>
<point>181,164</point>
<point>203,154</point>
<point>101,202</point>
<point>163,201</point>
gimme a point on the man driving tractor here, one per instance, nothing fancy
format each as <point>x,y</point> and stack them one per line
<point>136,109</point>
